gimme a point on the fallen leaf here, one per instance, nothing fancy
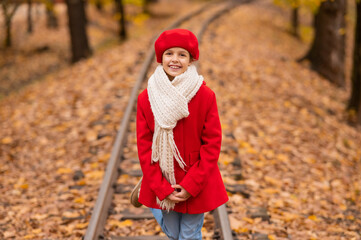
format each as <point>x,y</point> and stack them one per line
<point>64,170</point>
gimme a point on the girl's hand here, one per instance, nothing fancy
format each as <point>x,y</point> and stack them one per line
<point>172,197</point>
<point>181,193</point>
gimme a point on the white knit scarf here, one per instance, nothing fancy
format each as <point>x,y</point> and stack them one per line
<point>169,102</point>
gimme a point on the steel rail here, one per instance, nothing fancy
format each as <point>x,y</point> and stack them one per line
<point>220,214</point>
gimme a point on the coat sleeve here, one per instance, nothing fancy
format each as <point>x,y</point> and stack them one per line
<point>211,139</point>
<point>152,174</point>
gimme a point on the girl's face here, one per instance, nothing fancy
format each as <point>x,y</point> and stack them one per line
<point>175,61</point>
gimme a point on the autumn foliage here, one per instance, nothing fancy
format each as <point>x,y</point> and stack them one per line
<point>286,137</point>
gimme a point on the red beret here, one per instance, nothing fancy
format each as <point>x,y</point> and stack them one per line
<point>176,38</point>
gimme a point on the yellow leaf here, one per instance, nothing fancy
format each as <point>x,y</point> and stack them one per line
<point>343,207</point>
<point>24,186</point>
<point>95,175</point>
<point>249,220</point>
<point>81,182</point>
<point>69,214</point>
<point>269,153</point>
<point>91,135</point>
<point>313,218</point>
<point>279,203</point>
<point>287,104</point>
<point>29,236</point>
<point>304,111</point>
<point>243,144</point>
<point>36,231</point>
<point>140,18</point>
<point>6,140</point>
<point>251,150</point>
<point>61,127</point>
<point>310,160</point>
<point>288,217</point>
<point>64,170</point>
<point>121,224</point>
<point>243,230</point>
<point>282,157</point>
<point>123,178</point>
<point>271,237</point>
<point>94,165</point>
<point>79,200</point>
<point>81,225</point>
<point>259,163</point>
<point>126,223</point>
<point>104,157</point>
<point>260,134</point>
<point>271,190</point>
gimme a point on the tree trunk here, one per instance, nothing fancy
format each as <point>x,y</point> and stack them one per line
<point>99,5</point>
<point>294,21</point>
<point>51,19</point>
<point>30,17</point>
<point>355,99</point>
<point>77,28</point>
<point>327,54</point>
<point>8,41</point>
<point>8,14</point>
<point>120,11</point>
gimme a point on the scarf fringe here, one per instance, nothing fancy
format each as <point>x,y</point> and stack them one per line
<point>166,204</point>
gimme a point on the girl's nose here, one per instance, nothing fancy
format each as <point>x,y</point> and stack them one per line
<point>174,58</point>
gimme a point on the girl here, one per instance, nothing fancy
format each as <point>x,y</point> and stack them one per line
<point>179,140</point>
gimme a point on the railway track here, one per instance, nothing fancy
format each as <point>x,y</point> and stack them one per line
<point>123,166</point>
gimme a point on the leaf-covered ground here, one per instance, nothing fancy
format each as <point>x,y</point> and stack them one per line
<point>300,160</point>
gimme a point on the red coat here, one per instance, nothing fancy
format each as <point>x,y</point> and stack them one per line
<point>198,138</point>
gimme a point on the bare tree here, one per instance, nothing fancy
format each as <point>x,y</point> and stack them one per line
<point>51,19</point>
<point>99,5</point>
<point>120,12</point>
<point>9,8</point>
<point>30,16</point>
<point>295,22</point>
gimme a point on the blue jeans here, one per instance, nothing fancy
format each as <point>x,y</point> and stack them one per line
<point>179,226</point>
